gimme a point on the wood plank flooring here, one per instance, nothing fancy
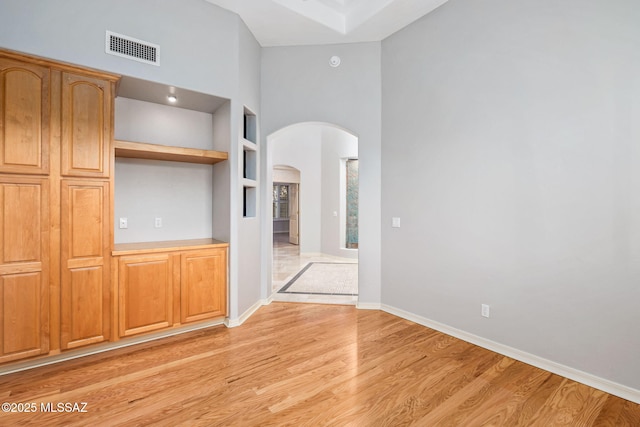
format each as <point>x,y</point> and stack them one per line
<point>309,365</point>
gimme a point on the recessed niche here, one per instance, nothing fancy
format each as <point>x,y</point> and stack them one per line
<point>249,127</point>
<point>249,161</point>
<point>249,202</point>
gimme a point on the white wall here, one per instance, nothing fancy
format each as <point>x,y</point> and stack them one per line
<point>510,152</point>
<point>146,189</point>
<point>301,147</point>
<point>285,174</point>
<point>74,31</point>
<point>247,248</point>
<point>298,86</point>
<point>337,145</point>
<point>140,121</point>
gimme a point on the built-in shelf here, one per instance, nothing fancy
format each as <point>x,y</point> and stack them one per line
<point>120,249</point>
<point>249,198</point>
<point>249,131</point>
<point>249,147</point>
<point>140,150</point>
<point>249,164</point>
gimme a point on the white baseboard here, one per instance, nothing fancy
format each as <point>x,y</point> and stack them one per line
<point>368,306</point>
<point>531,359</point>
<point>234,323</point>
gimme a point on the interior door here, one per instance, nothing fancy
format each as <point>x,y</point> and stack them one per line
<point>293,215</point>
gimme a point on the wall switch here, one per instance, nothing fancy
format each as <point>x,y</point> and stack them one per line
<point>124,223</point>
<point>335,213</point>
<point>395,222</point>
<point>158,222</point>
<point>485,310</point>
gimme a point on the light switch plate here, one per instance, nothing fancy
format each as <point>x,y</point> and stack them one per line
<point>485,310</point>
<point>395,222</point>
<point>124,223</point>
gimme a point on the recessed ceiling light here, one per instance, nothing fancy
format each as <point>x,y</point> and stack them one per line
<point>172,98</point>
<point>334,61</point>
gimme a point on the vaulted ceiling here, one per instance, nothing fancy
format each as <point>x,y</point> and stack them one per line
<point>304,22</point>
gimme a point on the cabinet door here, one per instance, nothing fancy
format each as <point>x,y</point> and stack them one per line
<point>85,257</point>
<point>203,287</point>
<point>86,126</point>
<point>24,263</point>
<point>146,293</point>
<point>24,117</point>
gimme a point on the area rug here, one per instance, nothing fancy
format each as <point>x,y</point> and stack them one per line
<point>324,278</point>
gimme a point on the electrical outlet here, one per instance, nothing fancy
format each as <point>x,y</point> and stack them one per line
<point>158,222</point>
<point>124,223</point>
<point>485,310</point>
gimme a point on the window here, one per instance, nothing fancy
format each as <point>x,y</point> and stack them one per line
<point>352,204</point>
<point>281,201</point>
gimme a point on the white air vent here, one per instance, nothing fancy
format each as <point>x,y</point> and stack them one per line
<point>128,47</point>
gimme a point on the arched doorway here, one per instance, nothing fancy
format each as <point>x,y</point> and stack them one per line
<point>320,153</point>
<point>286,206</point>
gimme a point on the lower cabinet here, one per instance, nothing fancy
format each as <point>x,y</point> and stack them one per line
<point>160,290</point>
<point>203,290</point>
<point>146,293</point>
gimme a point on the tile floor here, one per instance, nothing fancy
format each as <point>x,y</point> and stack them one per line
<point>288,261</point>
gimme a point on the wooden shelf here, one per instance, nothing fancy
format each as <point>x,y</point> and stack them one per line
<point>139,150</point>
<point>165,246</point>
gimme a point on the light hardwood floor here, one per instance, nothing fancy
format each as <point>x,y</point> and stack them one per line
<point>310,365</point>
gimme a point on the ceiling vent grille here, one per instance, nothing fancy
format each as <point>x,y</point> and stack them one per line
<point>129,47</point>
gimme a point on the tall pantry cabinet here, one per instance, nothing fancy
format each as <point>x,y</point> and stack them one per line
<point>56,182</point>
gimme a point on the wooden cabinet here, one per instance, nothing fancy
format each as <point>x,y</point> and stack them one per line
<point>55,232</point>
<point>203,290</point>
<point>145,284</point>
<point>24,117</point>
<point>86,126</point>
<point>85,257</point>
<point>27,93</point>
<point>163,284</point>
<point>60,288</point>
<point>24,263</point>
